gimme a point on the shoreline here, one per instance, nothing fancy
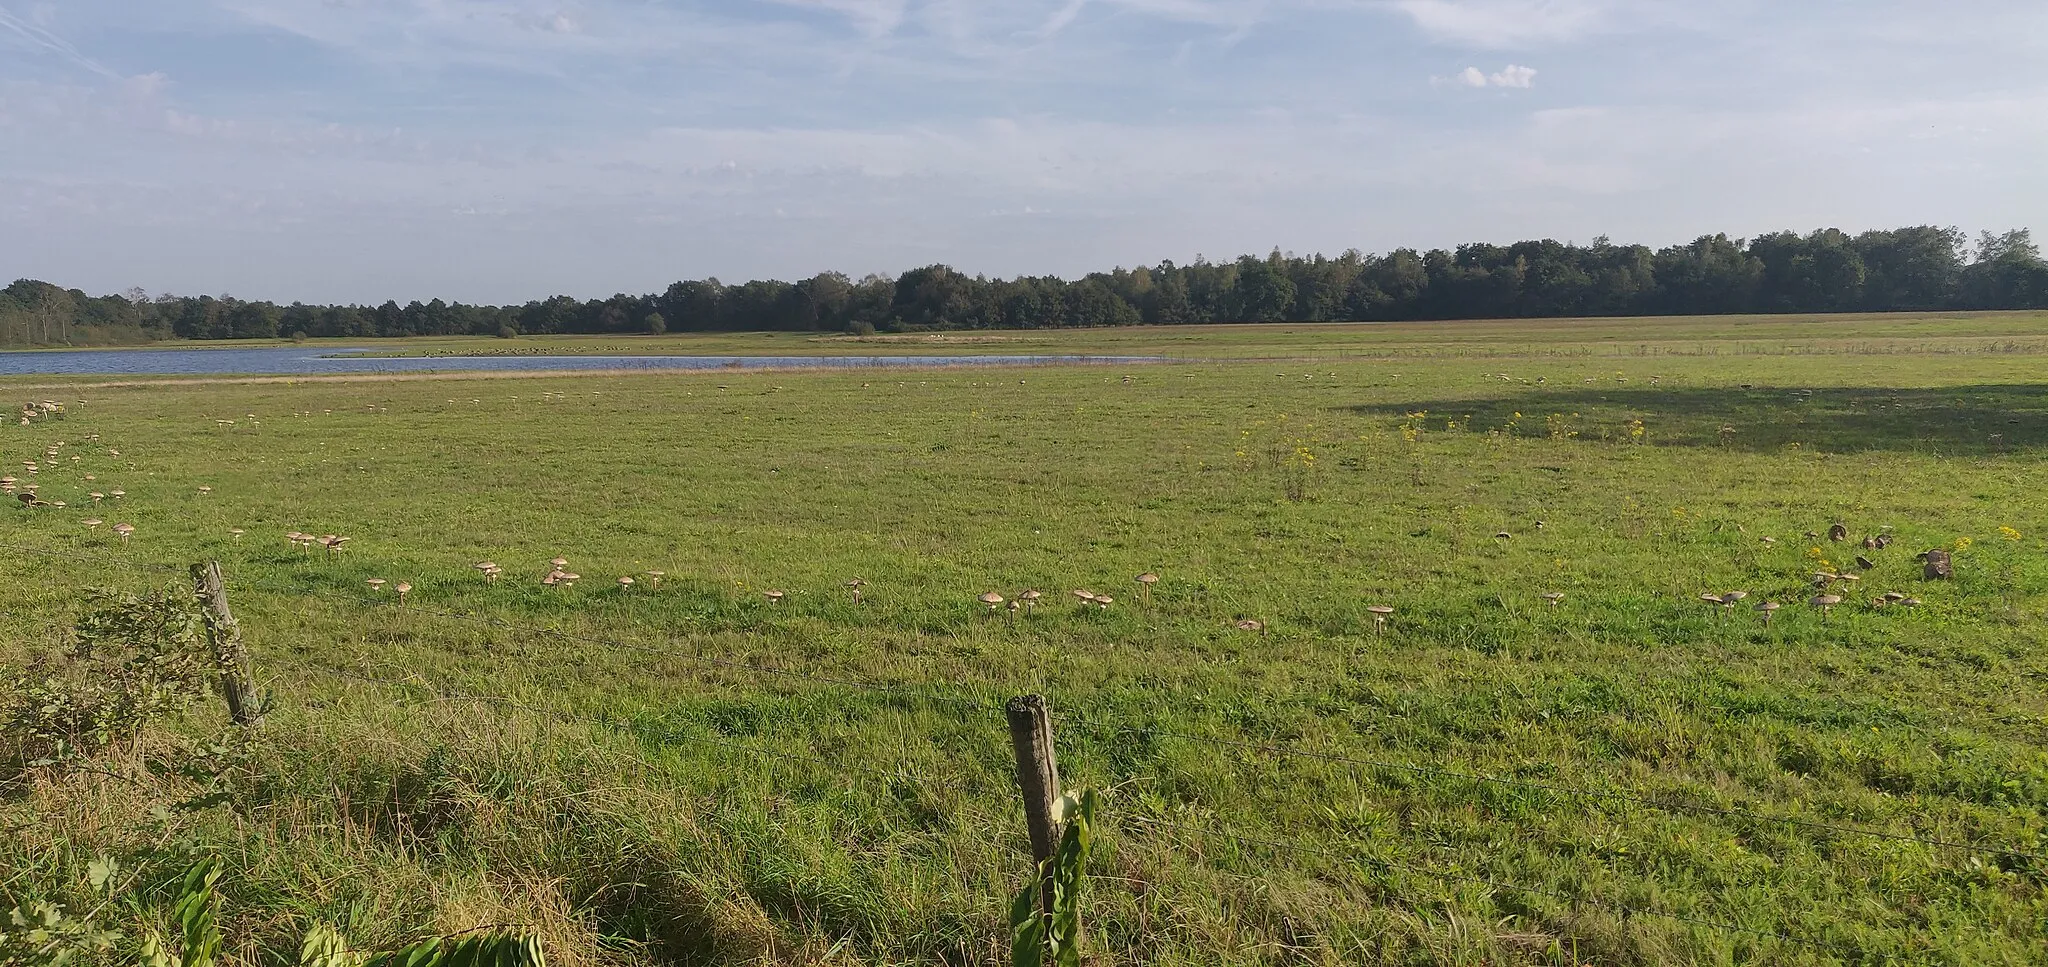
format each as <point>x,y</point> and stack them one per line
<point>399,376</point>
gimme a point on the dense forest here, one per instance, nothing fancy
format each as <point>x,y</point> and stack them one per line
<point>1920,268</point>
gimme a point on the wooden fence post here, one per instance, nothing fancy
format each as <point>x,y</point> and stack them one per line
<point>225,636</point>
<point>1038,777</point>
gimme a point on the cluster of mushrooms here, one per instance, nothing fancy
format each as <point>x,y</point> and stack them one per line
<point>304,542</point>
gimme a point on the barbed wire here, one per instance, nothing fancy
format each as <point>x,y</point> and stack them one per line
<point>1073,719</point>
<point>1356,856</point>
<point>1670,805</point>
<point>50,552</point>
<point>625,645</point>
<point>1082,722</point>
<point>441,693</point>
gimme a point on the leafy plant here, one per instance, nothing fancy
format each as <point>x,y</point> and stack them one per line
<point>46,936</point>
<point>1036,937</point>
<point>136,659</point>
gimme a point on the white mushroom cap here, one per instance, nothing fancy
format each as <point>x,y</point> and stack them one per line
<point>1380,609</point>
<point>991,598</point>
<point>1148,578</point>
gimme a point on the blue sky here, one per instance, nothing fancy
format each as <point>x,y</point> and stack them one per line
<point>501,150</point>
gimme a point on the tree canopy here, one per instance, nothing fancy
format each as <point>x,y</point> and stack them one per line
<point>1917,268</point>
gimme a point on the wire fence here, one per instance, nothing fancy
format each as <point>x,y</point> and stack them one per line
<point>1078,722</point>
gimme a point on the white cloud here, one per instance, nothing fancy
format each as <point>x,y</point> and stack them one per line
<point>1513,75</point>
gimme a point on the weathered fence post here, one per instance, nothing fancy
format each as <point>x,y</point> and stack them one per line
<point>1038,777</point>
<point>225,637</point>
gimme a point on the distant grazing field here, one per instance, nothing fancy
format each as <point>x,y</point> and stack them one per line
<point>683,771</point>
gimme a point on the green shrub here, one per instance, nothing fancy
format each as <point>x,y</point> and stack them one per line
<point>135,659</point>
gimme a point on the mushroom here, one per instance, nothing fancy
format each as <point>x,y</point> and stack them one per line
<point>774,597</point>
<point>92,523</point>
<point>560,562</point>
<point>236,533</point>
<point>1770,540</point>
<point>654,578</point>
<point>992,599</point>
<point>124,530</point>
<point>1503,535</point>
<point>1893,597</point>
<point>1251,624</point>
<point>1087,597</point>
<point>1145,582</point>
<point>1553,598</point>
<point>403,589</point>
<point>853,585</point>
<point>117,494</point>
<point>206,490</point>
<point>96,497</point>
<point>625,583</point>
<point>489,569</point>
<point>1379,614</point>
<point>1824,602</point>
<point>376,584</point>
<point>1765,608</point>
<point>1104,601</point>
<point>1014,608</point>
<point>1864,562</point>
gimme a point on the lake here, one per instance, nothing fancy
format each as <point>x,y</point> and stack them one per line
<point>295,360</point>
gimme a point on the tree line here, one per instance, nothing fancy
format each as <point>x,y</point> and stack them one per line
<point>1917,268</point>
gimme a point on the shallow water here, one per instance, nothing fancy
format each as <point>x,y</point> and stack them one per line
<point>294,360</point>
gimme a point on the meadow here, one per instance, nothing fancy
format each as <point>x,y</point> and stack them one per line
<point>685,771</point>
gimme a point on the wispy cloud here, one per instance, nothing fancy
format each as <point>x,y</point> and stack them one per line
<point>1504,24</point>
<point>35,37</point>
<point>450,147</point>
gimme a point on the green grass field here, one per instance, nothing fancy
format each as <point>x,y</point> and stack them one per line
<point>691,774</point>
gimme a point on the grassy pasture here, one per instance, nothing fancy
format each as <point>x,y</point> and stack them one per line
<point>641,797</point>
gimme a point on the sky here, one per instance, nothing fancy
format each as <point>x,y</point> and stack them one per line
<point>504,150</point>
